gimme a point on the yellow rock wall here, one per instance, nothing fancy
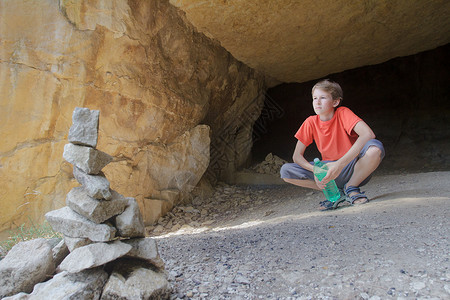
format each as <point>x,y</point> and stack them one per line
<point>154,79</point>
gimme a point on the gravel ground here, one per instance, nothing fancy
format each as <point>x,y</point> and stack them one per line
<point>272,243</point>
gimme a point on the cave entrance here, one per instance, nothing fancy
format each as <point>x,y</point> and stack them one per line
<point>406,101</point>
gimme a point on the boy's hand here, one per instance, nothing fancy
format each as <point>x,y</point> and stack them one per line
<point>333,172</point>
<point>320,184</point>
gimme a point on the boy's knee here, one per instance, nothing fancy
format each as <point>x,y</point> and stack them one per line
<point>284,171</point>
<point>374,152</point>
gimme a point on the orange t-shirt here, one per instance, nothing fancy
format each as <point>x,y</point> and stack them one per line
<point>334,137</point>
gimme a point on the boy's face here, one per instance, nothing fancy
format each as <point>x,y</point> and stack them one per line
<point>323,102</point>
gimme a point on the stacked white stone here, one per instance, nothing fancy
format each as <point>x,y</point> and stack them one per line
<point>100,227</point>
<point>91,207</point>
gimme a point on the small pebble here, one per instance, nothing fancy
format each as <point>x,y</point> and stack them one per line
<point>418,285</point>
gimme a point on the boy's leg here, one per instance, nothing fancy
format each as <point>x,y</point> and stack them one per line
<point>365,166</point>
<point>294,174</point>
<point>356,173</point>
<point>303,183</point>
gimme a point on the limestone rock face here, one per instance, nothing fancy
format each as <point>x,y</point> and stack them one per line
<point>153,78</point>
<point>154,169</point>
<point>297,41</point>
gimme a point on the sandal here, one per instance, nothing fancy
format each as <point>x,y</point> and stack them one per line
<point>328,205</point>
<point>353,198</point>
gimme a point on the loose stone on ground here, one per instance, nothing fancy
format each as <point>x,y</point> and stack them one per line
<point>85,285</point>
<point>296,252</point>
<point>26,264</point>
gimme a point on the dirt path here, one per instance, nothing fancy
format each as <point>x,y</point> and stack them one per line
<point>272,243</point>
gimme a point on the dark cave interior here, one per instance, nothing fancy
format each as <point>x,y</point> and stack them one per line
<point>406,101</point>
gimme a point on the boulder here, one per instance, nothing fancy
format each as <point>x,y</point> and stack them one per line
<point>95,210</point>
<point>85,285</point>
<point>72,224</point>
<point>130,223</point>
<point>146,249</point>
<point>97,186</point>
<point>133,279</point>
<point>93,255</point>
<point>25,265</point>
<point>89,160</point>
<point>180,167</point>
<point>84,129</point>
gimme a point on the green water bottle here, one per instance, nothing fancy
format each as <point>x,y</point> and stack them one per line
<point>331,190</point>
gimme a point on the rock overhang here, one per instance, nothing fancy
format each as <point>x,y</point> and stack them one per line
<point>297,41</point>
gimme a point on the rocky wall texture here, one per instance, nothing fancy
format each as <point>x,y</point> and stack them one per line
<point>165,94</point>
<point>297,41</point>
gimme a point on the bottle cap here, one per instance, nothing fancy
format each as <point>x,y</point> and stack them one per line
<point>316,160</point>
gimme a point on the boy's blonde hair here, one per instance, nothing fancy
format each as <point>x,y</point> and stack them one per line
<point>331,87</point>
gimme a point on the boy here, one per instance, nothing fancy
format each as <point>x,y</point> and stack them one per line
<point>345,141</point>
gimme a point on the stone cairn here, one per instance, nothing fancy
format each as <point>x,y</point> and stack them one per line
<point>104,232</point>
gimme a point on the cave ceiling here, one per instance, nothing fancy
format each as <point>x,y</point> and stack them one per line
<point>297,41</point>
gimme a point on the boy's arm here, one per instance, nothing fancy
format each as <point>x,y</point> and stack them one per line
<point>365,134</point>
<point>300,160</point>
<point>298,157</point>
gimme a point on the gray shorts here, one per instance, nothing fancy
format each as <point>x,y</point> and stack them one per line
<point>294,171</point>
